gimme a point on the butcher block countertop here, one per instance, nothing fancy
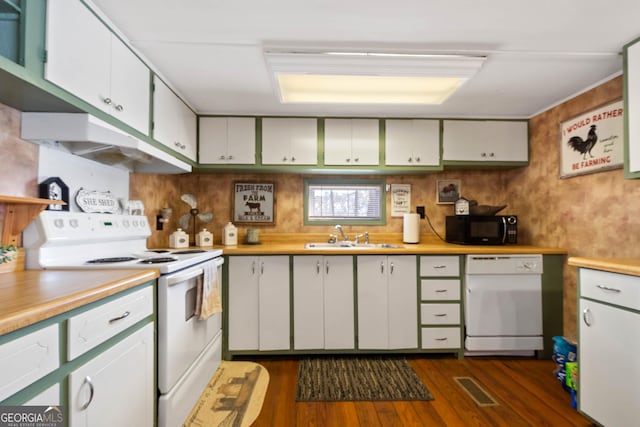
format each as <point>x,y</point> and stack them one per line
<point>293,244</point>
<point>629,266</point>
<point>30,296</point>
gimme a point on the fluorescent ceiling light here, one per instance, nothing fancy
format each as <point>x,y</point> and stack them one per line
<point>369,77</point>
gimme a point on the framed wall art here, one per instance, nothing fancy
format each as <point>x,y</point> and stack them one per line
<point>254,202</point>
<point>447,191</point>
<point>593,141</point>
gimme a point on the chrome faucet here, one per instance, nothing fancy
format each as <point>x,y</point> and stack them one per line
<point>341,231</point>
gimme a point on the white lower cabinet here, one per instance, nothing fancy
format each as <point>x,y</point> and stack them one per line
<point>116,387</point>
<point>609,372</point>
<point>387,302</point>
<point>259,303</point>
<point>323,313</point>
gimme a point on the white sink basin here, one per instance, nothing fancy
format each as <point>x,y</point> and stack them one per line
<point>349,245</point>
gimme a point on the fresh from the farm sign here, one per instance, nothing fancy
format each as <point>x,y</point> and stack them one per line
<point>593,141</point>
<point>254,202</point>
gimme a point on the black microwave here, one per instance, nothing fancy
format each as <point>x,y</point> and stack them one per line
<point>482,230</point>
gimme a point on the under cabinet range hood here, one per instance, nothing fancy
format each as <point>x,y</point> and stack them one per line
<point>89,137</point>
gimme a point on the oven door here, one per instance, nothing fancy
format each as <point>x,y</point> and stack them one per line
<point>181,335</point>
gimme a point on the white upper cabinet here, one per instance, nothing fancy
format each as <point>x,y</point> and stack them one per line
<point>85,58</point>
<point>412,142</point>
<point>289,141</point>
<point>227,140</point>
<point>485,141</point>
<point>632,96</point>
<point>174,124</point>
<point>351,142</point>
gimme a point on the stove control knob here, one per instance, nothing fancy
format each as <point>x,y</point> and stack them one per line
<point>125,223</point>
<point>73,223</point>
<point>58,223</point>
<point>135,222</point>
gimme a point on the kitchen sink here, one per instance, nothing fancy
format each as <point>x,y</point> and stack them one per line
<point>350,245</point>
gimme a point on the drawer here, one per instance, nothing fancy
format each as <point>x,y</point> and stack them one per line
<point>27,359</point>
<point>440,314</point>
<point>614,288</point>
<point>93,327</point>
<point>435,338</point>
<point>440,265</point>
<point>443,290</point>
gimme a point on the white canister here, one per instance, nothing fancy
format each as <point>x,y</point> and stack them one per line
<point>204,238</point>
<point>179,239</point>
<point>229,234</point>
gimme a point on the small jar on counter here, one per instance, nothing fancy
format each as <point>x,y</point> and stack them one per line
<point>204,238</point>
<point>179,239</point>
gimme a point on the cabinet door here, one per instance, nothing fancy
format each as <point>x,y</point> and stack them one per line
<point>609,391</point>
<point>274,321</point>
<point>174,124</point>
<point>130,87</point>
<point>412,142</point>
<point>308,293</point>
<point>117,386</point>
<point>338,303</point>
<point>351,142</point>
<point>243,303</point>
<point>78,52</point>
<point>289,141</point>
<point>373,308</point>
<point>480,141</point>
<point>403,302</point>
<point>227,140</point>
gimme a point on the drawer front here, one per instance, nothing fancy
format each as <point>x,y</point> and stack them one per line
<point>93,327</point>
<point>614,288</point>
<point>27,359</point>
<point>440,314</point>
<point>439,266</point>
<point>436,338</point>
<point>443,290</point>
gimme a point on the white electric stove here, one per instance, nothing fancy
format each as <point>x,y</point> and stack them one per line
<point>189,349</point>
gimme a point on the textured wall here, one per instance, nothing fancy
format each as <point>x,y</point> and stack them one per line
<point>593,215</point>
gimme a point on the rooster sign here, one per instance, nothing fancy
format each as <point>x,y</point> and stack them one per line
<point>593,141</point>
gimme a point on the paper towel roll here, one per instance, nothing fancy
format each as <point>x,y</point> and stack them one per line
<point>411,228</point>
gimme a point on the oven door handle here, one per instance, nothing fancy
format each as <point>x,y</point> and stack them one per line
<point>172,280</point>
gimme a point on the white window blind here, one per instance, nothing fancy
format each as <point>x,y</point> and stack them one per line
<point>328,202</point>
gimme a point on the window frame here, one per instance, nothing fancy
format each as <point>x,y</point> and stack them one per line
<point>346,182</point>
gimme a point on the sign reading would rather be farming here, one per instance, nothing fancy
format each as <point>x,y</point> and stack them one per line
<point>593,141</point>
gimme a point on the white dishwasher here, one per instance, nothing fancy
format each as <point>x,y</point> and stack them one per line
<point>503,305</point>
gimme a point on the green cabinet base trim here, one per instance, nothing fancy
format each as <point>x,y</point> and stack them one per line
<point>552,302</point>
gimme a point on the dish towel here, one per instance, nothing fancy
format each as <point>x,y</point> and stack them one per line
<point>208,300</point>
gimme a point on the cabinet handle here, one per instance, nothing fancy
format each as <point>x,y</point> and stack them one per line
<point>107,101</point>
<point>326,266</point>
<point>87,380</point>
<point>262,268</point>
<point>491,154</point>
<point>293,159</point>
<point>284,159</point>
<point>179,145</point>
<point>231,157</point>
<point>585,313</point>
<point>607,288</point>
<point>318,267</point>
<point>222,157</point>
<point>253,267</point>
<point>441,339</point>
<point>357,159</point>
<point>124,315</point>
<point>417,159</point>
<point>391,268</point>
<point>439,291</point>
<point>119,107</point>
<point>381,267</point>
<point>410,159</point>
<point>440,315</point>
<point>347,160</point>
<point>483,154</point>
<point>438,267</point>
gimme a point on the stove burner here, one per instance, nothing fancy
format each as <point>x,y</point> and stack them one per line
<point>189,251</point>
<point>111,260</point>
<point>157,260</point>
<point>158,251</point>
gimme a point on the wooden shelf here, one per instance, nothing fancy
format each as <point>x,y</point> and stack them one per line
<point>18,213</point>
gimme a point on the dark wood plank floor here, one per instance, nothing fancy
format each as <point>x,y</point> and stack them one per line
<point>526,390</point>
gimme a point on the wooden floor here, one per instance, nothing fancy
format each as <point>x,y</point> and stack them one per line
<point>526,390</point>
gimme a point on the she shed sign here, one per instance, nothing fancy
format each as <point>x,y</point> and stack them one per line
<point>593,141</point>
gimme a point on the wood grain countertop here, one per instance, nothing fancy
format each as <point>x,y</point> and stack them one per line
<point>629,266</point>
<point>30,296</point>
<point>293,244</point>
